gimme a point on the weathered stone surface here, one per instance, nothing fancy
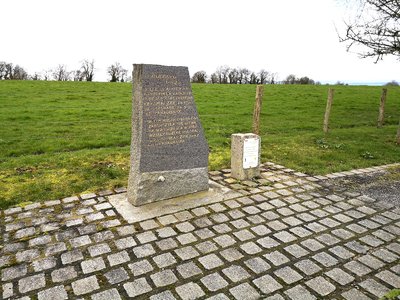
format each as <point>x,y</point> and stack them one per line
<point>245,156</point>
<point>169,154</point>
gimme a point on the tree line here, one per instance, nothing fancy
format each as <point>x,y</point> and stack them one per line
<point>116,73</point>
<point>228,75</point>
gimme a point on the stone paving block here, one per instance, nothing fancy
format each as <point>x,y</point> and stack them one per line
<point>371,241</point>
<point>244,235</point>
<point>7,290</point>
<point>219,218</point>
<point>300,231</point>
<point>285,236</point>
<point>354,294</point>
<point>92,265</point>
<point>166,232</point>
<point>244,291</point>
<point>327,239</point>
<point>57,292</point>
<point>126,230</point>
<point>236,273</point>
<point>167,244</point>
<point>325,259</point>
<point>140,267</point>
<point>190,291</point>
<point>25,232</point>
<point>214,282</point>
<point>341,252</point>
<point>146,237</point>
<point>189,269</point>
<point>250,248</point>
<point>374,287</point>
<point>149,224</point>
<point>80,241</point>
<point>185,227</point>
<point>340,276</point>
<point>308,267</point>
<point>257,265</point>
<point>137,287</point>
<point>385,255</point>
<point>267,242</point>
<point>357,268</point>
<point>63,274</point>
<point>200,211</point>
<point>107,295</point>
<point>394,247</point>
<point>231,254</point>
<point>267,284</point>
<point>116,276</point>
<point>224,240</point>
<point>383,235</point>
<point>41,240</point>
<point>292,221</point>
<point>312,245</point>
<point>13,272</point>
<point>203,222</point>
<point>187,253</point>
<point>210,261</point>
<point>288,275</point>
<point>320,286</point>
<point>31,283</point>
<point>99,249</point>
<point>240,223</point>
<point>27,255</point>
<point>103,236</point>
<point>71,256</point>
<point>222,228</point>
<point>260,230</point>
<point>118,258</point>
<point>163,278</point>
<point>296,250</point>
<point>236,214</point>
<point>390,278</point>
<point>371,261</point>
<point>166,295</point>
<point>357,247</point>
<point>206,247</point>
<point>276,258</point>
<point>164,260</point>
<point>144,250</point>
<point>270,215</point>
<point>186,238</point>
<point>299,293</point>
<point>125,243</point>
<point>306,217</point>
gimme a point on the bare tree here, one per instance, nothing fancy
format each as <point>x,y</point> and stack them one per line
<point>199,77</point>
<point>116,72</point>
<point>254,79</point>
<point>290,79</point>
<point>60,73</point>
<point>78,75</point>
<point>263,76</point>
<point>376,28</point>
<point>233,76</point>
<point>18,73</point>
<point>87,69</point>
<point>214,78</point>
<point>3,69</point>
<point>243,75</point>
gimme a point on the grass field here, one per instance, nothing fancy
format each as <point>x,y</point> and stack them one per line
<point>62,138</point>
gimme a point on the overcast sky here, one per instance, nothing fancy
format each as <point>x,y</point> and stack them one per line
<point>285,36</point>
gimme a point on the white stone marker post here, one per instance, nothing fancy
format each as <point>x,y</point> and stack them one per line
<point>245,156</point>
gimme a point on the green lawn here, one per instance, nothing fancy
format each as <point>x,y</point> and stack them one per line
<point>62,138</point>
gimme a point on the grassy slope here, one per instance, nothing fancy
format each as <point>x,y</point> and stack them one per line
<point>61,138</point>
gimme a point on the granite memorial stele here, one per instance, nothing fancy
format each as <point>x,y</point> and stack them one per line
<point>169,153</point>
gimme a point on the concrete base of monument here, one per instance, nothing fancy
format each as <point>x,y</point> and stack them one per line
<point>133,214</point>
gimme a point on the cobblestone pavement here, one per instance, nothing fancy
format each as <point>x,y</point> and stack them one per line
<point>289,236</point>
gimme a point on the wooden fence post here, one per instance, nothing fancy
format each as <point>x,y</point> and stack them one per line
<point>257,109</point>
<point>381,117</point>
<point>328,109</point>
